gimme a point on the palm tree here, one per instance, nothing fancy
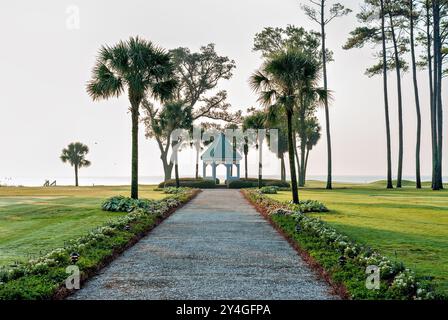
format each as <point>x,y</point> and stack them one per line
<point>256,120</point>
<point>286,80</point>
<point>141,68</point>
<point>75,155</point>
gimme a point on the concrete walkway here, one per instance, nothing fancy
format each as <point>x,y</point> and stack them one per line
<point>215,247</point>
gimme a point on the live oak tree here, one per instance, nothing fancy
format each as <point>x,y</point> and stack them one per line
<point>275,120</point>
<point>273,40</point>
<point>321,12</point>
<point>311,136</point>
<point>376,30</point>
<point>140,68</point>
<point>173,115</point>
<point>75,155</point>
<point>288,79</point>
<point>256,120</point>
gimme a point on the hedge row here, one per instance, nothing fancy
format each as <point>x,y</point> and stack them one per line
<point>341,257</point>
<point>44,278</point>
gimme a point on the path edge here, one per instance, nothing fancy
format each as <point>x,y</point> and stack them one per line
<point>62,292</point>
<point>337,289</point>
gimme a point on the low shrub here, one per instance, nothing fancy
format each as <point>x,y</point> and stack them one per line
<point>253,183</point>
<point>190,183</point>
<point>269,190</point>
<point>341,257</point>
<point>125,204</point>
<point>41,278</point>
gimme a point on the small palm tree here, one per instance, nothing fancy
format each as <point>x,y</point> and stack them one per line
<point>75,154</point>
<point>141,68</point>
<point>285,81</point>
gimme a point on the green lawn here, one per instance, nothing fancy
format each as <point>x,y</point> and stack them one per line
<point>36,220</point>
<point>408,224</point>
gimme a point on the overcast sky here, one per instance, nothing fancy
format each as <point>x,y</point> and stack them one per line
<point>44,68</point>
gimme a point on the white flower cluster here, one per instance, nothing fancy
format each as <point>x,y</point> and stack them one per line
<point>398,278</point>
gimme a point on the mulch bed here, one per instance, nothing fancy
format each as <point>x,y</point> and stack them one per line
<point>338,289</point>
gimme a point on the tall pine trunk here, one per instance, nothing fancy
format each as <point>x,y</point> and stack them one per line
<point>327,113</point>
<point>437,95</point>
<point>417,98</point>
<point>292,167</point>
<point>400,102</point>
<point>386,100</point>
<point>282,167</point>
<point>431,91</point>
<point>245,165</point>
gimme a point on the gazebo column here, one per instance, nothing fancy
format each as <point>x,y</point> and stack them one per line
<point>204,170</point>
<point>214,171</point>
<point>238,170</point>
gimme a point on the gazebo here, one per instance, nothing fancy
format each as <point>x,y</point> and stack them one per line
<point>221,151</point>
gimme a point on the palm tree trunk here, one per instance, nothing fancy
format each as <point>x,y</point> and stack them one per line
<point>76,176</point>
<point>418,180</point>
<point>400,103</point>
<point>282,167</point>
<point>431,91</point>
<point>302,167</point>
<point>176,172</point>
<point>134,161</point>
<point>327,113</point>
<point>386,100</point>
<point>292,167</point>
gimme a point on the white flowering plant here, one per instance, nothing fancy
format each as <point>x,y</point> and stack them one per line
<point>49,270</point>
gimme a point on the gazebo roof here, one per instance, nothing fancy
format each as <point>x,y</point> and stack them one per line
<point>221,151</point>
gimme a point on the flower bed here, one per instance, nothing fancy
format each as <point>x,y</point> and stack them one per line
<point>340,259</point>
<point>44,278</point>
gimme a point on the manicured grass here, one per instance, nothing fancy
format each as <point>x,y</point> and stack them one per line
<point>34,221</point>
<point>408,225</point>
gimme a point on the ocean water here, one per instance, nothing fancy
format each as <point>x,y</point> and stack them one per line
<point>114,181</point>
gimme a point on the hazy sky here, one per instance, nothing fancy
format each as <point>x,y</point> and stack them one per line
<point>44,68</point>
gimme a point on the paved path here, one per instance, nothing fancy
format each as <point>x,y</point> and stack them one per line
<point>215,247</point>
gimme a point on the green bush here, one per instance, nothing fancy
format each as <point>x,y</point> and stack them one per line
<point>308,206</point>
<point>329,247</point>
<point>125,204</point>
<point>190,183</point>
<point>253,183</point>
<point>269,190</point>
<point>174,190</point>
